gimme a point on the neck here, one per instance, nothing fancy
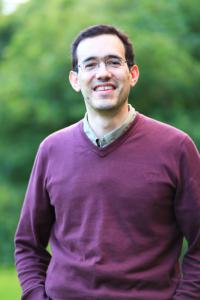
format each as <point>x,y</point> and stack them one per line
<point>105,121</point>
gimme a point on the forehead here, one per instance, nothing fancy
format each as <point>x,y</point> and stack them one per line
<point>100,46</point>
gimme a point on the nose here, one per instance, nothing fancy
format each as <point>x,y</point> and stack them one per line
<point>102,72</point>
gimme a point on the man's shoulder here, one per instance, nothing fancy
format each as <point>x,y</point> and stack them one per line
<point>162,129</point>
<point>61,136</point>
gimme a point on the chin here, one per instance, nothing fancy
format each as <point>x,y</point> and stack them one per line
<point>105,104</point>
<point>105,107</point>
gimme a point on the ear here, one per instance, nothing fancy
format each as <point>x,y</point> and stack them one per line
<point>73,79</point>
<point>134,75</point>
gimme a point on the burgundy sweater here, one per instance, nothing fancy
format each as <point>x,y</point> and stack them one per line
<point>115,217</point>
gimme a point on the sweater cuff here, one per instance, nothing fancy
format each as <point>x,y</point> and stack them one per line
<point>36,294</point>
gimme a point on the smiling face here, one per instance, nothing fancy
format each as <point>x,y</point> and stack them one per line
<point>104,88</point>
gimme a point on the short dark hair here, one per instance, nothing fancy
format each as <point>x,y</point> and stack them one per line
<point>99,30</point>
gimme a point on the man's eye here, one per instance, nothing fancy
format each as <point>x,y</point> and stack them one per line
<point>90,65</point>
<point>114,62</point>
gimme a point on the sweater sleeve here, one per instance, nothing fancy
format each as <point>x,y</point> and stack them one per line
<point>32,234</point>
<point>36,294</point>
<point>187,210</point>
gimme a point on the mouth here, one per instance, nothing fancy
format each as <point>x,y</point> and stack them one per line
<point>104,87</point>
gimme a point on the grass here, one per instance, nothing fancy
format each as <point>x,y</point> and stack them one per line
<point>9,285</point>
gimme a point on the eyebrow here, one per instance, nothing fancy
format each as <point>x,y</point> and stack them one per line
<point>96,57</point>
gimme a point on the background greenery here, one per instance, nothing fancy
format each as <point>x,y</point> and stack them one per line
<point>36,98</point>
<point>9,285</point>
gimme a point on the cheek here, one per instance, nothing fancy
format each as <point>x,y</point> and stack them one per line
<point>85,83</point>
<point>125,82</point>
<point>124,78</point>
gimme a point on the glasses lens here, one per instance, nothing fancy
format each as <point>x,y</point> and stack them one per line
<point>114,62</point>
<point>90,65</point>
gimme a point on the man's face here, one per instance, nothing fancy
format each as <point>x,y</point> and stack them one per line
<point>103,89</point>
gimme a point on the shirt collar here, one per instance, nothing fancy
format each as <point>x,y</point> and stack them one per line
<point>112,135</point>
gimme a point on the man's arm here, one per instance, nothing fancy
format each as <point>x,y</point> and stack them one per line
<point>187,210</point>
<point>32,235</point>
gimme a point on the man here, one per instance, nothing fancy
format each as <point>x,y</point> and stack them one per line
<point>114,194</point>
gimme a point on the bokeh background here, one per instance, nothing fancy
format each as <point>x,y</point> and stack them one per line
<point>36,98</point>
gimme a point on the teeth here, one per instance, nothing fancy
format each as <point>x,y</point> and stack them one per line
<point>104,88</point>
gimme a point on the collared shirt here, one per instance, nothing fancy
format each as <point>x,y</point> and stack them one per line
<point>111,136</point>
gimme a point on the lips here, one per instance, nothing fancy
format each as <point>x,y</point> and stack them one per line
<point>104,87</point>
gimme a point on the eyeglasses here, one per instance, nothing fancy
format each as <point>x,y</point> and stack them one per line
<point>109,62</point>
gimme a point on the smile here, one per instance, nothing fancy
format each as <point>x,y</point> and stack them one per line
<point>104,87</point>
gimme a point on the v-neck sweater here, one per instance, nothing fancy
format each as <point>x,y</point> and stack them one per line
<point>115,217</point>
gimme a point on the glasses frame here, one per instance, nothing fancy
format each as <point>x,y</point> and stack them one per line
<point>104,60</point>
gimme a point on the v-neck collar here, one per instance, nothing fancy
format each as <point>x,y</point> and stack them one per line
<point>111,147</point>
<point>111,136</point>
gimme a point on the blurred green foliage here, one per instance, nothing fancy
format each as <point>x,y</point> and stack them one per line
<point>36,98</point>
<point>9,285</point>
